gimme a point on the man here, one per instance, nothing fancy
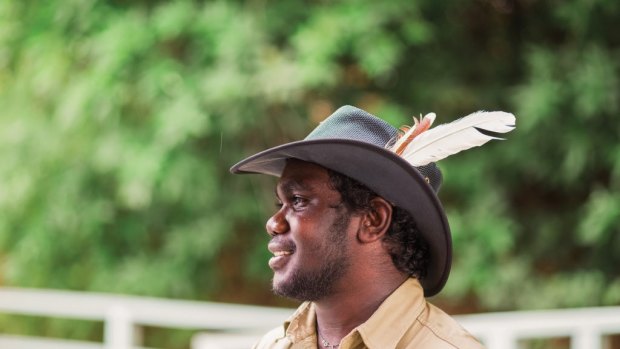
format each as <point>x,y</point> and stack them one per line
<point>359,233</point>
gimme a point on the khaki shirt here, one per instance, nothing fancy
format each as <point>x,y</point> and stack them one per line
<point>405,320</point>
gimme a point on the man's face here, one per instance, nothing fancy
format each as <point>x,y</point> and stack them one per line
<point>309,234</point>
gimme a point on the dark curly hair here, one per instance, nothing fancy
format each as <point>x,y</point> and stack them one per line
<point>406,246</point>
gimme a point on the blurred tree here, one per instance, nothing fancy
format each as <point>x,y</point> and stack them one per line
<point>120,120</point>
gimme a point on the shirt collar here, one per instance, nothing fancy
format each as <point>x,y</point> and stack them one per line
<point>383,329</point>
<point>390,321</point>
<point>302,323</point>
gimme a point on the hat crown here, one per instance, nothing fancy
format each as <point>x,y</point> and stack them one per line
<point>349,122</point>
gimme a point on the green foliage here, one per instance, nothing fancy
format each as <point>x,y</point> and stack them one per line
<point>119,122</point>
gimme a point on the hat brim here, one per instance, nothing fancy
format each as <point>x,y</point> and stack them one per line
<point>387,174</point>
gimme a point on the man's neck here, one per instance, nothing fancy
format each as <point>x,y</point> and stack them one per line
<point>340,313</point>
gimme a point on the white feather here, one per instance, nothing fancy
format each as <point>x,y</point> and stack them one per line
<point>448,139</point>
<point>425,123</point>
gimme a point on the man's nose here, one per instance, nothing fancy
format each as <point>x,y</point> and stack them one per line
<point>277,224</point>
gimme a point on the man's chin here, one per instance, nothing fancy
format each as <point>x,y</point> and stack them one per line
<point>280,285</point>
<point>285,286</point>
<point>298,287</point>
<point>309,285</point>
<point>279,278</point>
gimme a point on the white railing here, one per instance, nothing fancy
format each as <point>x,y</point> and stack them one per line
<point>228,326</point>
<point>586,328</point>
<point>124,315</point>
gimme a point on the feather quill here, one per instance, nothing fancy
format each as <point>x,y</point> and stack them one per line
<point>412,132</point>
<point>448,139</point>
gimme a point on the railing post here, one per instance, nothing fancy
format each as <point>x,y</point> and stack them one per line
<point>586,338</point>
<point>118,329</point>
<point>500,339</point>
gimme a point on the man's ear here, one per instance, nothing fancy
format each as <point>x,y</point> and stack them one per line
<point>376,221</point>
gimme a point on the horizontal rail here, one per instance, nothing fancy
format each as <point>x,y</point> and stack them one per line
<point>584,326</point>
<point>141,310</point>
<point>225,326</point>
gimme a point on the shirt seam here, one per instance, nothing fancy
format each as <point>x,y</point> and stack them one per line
<point>418,310</point>
<point>436,332</point>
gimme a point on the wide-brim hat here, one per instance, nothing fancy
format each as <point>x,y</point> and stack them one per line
<point>353,142</point>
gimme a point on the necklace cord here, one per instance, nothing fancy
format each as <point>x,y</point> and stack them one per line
<point>326,343</point>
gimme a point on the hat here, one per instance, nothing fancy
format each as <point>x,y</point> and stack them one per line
<point>354,143</point>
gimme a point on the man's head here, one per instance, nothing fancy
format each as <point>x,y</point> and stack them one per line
<point>354,143</point>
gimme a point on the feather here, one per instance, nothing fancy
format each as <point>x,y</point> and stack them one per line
<point>411,132</point>
<point>448,139</point>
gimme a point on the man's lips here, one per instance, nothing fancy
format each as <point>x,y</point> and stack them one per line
<point>281,253</point>
<point>280,246</point>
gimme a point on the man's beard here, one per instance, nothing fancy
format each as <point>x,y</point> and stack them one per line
<point>312,285</point>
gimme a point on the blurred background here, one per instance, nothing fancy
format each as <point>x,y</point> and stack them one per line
<point>120,119</point>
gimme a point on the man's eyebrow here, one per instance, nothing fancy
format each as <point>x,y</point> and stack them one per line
<point>288,186</point>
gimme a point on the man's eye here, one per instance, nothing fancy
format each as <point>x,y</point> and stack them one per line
<point>298,201</point>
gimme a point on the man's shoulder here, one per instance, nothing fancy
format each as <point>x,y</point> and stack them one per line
<point>444,329</point>
<point>272,339</point>
<point>299,327</point>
